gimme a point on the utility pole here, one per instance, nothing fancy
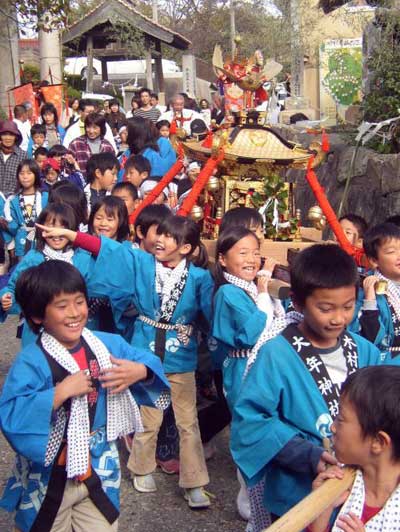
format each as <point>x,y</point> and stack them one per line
<point>233,27</point>
<point>297,81</point>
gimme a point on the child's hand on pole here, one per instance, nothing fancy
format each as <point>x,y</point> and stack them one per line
<point>369,287</point>
<point>325,460</point>
<point>123,374</point>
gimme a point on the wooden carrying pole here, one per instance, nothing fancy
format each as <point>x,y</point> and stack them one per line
<point>307,510</point>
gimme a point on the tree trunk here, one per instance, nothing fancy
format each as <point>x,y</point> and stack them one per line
<point>9,71</point>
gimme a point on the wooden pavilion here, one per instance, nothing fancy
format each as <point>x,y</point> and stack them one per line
<point>92,36</point>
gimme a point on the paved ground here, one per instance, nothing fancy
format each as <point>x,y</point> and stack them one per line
<point>164,511</point>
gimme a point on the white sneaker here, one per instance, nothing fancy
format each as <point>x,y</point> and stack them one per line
<point>144,483</point>
<point>197,498</point>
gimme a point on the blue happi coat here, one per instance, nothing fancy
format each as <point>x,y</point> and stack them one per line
<point>16,222</point>
<point>26,417</point>
<point>127,277</point>
<point>237,324</point>
<point>280,400</point>
<point>82,260</point>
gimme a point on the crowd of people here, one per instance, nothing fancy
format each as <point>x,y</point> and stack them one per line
<point>115,317</point>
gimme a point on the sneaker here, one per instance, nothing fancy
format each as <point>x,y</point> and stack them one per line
<point>243,504</point>
<point>197,498</point>
<point>128,441</point>
<point>144,483</point>
<point>170,467</point>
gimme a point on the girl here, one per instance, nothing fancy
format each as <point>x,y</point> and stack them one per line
<point>168,292</point>
<point>54,132</point>
<point>242,312</point>
<point>22,209</point>
<point>54,215</point>
<point>142,139</point>
<point>109,218</point>
<point>68,193</point>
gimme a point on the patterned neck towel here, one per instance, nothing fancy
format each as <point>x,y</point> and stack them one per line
<point>55,254</point>
<point>123,416</point>
<point>386,520</point>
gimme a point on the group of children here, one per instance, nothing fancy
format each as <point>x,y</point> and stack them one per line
<point>278,368</point>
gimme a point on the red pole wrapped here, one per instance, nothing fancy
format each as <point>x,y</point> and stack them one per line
<point>169,176</point>
<point>326,207</point>
<point>200,183</point>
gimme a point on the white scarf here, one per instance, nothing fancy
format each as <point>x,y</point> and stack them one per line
<point>166,279</point>
<point>123,416</point>
<point>58,254</point>
<point>248,286</point>
<point>386,520</point>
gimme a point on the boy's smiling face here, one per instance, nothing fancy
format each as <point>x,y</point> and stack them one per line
<point>388,260</point>
<point>327,312</point>
<point>65,317</point>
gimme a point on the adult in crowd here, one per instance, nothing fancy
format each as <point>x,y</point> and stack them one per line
<point>10,156</point>
<point>115,118</point>
<point>142,139</point>
<point>135,104</point>
<point>93,141</point>
<point>205,111</point>
<point>146,109</point>
<point>23,124</point>
<point>77,129</point>
<point>178,114</point>
<point>54,132</point>
<point>218,109</point>
<point>70,117</point>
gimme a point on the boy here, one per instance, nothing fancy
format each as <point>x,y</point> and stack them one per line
<point>129,194</point>
<point>378,316</point>
<point>148,186</point>
<point>38,136</point>
<point>354,228</point>
<point>40,155</point>
<point>366,433</point>
<point>101,175</point>
<point>146,225</point>
<point>137,169</point>
<point>163,127</point>
<point>290,395</point>
<point>63,413</point>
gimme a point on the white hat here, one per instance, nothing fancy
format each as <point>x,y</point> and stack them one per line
<point>148,185</point>
<point>194,165</point>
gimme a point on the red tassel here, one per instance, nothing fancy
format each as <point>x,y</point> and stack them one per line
<point>207,142</point>
<point>325,141</point>
<point>173,128</point>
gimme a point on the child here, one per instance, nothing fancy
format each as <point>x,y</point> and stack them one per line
<point>38,136</point>
<point>148,185</point>
<point>354,227</point>
<point>101,175</point>
<point>40,155</point>
<point>163,127</point>
<point>109,218</point>
<point>146,225</point>
<point>366,434</point>
<point>128,193</point>
<point>245,216</point>
<point>137,169</point>
<point>378,316</point>
<point>52,174</point>
<point>66,192</point>
<point>168,292</point>
<point>84,397</point>
<point>54,215</point>
<point>243,311</point>
<point>22,209</point>
<point>290,395</point>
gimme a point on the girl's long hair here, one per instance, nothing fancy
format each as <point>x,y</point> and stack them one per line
<point>114,207</point>
<point>227,239</point>
<point>141,135</point>
<point>185,231</point>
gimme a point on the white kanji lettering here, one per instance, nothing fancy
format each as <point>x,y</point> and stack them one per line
<point>348,342</point>
<point>352,358</point>
<point>325,386</point>
<point>298,343</point>
<point>333,407</point>
<point>313,363</point>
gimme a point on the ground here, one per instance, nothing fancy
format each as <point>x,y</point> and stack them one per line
<point>164,511</point>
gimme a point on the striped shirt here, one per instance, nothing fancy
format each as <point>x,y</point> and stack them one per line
<point>152,114</point>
